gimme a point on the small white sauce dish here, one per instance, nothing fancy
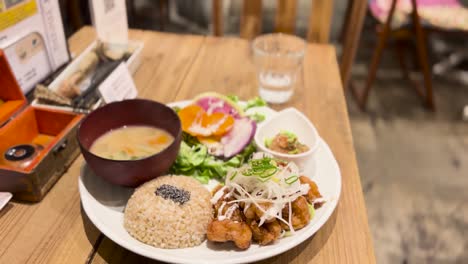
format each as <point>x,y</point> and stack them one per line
<point>289,119</point>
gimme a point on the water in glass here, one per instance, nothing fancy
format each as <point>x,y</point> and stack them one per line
<point>278,59</point>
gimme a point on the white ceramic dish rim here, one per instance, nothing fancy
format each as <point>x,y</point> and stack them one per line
<point>259,142</point>
<point>300,237</point>
<point>5,197</point>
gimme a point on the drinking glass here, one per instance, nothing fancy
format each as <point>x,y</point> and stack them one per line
<point>278,60</point>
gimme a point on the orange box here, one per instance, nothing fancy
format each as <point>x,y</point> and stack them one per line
<point>51,132</point>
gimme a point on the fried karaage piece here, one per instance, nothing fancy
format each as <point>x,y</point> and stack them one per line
<point>217,188</point>
<point>300,213</point>
<point>236,214</point>
<point>222,206</point>
<point>267,233</point>
<point>228,230</point>
<point>313,192</point>
<point>254,213</point>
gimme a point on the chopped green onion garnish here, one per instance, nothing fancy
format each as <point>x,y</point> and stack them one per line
<point>263,168</point>
<point>233,176</point>
<point>264,179</point>
<point>291,179</point>
<point>295,151</point>
<point>290,135</point>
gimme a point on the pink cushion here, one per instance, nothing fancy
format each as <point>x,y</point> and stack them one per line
<point>380,9</point>
<point>436,2</point>
<point>446,17</point>
<point>448,14</point>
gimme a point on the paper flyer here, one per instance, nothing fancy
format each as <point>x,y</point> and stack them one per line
<point>118,85</point>
<point>110,20</point>
<point>33,39</point>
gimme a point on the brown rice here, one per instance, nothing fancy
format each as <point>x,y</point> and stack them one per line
<point>167,222</point>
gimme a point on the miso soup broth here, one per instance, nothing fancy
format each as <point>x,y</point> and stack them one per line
<point>131,143</point>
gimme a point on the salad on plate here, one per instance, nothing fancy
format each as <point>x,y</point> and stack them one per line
<point>217,135</point>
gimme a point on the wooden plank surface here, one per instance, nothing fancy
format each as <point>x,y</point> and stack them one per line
<point>177,67</point>
<point>50,231</point>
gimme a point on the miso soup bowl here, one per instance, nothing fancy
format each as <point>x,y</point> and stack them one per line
<point>137,112</point>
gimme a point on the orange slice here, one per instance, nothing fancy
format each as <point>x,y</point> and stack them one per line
<point>218,123</point>
<point>209,140</point>
<point>189,115</point>
<point>197,122</point>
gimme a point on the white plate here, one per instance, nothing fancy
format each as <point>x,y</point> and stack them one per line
<point>104,204</point>
<point>4,198</point>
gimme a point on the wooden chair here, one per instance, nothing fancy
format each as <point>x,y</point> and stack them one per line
<point>425,17</point>
<point>401,36</point>
<point>319,25</point>
<point>251,19</point>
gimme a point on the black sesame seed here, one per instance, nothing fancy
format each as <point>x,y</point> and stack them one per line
<point>177,195</point>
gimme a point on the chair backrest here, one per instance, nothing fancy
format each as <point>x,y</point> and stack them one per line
<point>251,19</point>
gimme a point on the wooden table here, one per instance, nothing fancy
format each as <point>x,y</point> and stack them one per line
<point>177,67</point>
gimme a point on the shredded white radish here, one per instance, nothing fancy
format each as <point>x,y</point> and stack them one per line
<point>220,210</point>
<point>269,192</point>
<point>218,195</point>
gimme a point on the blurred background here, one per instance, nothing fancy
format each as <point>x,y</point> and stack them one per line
<point>412,152</point>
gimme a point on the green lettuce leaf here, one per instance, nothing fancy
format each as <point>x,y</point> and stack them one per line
<point>257,101</point>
